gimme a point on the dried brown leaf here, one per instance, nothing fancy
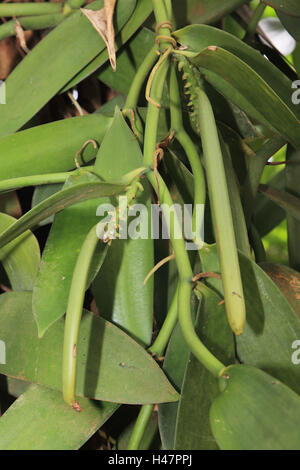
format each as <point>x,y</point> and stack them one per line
<point>102,21</point>
<point>21,36</point>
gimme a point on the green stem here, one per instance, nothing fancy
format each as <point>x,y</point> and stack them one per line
<point>168,8</point>
<point>37,180</point>
<point>186,143</point>
<point>74,313</point>
<point>222,216</point>
<point>140,426</point>
<point>160,11</point>
<point>31,23</point>
<point>257,245</point>
<point>162,14</point>
<point>28,9</point>
<point>139,79</point>
<point>157,349</point>
<point>259,11</point>
<point>164,334</point>
<point>76,3</point>
<point>188,331</point>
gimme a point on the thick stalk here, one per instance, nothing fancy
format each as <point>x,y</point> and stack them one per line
<point>36,180</point>
<point>76,3</point>
<point>139,78</point>
<point>165,332</point>
<point>187,145</point>
<point>163,15</point>
<point>139,427</point>
<point>257,245</point>
<point>187,327</point>
<point>31,23</point>
<point>28,9</point>
<point>156,349</point>
<point>257,14</point>
<point>73,316</point>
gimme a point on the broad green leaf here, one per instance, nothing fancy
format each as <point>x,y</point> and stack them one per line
<point>200,388</point>
<point>291,24</point>
<point>239,83</point>
<point>118,289</point>
<point>142,10</point>
<point>271,324</point>
<point>67,234</point>
<point>287,201</point>
<point>119,146</point>
<point>111,365</point>
<point>203,11</point>
<point>271,328</point>
<point>255,412</point>
<point>199,37</point>
<point>40,420</point>
<point>92,189</point>
<point>50,147</point>
<point>288,281</point>
<point>129,59</point>
<point>28,88</point>
<point>20,258</point>
<point>292,175</point>
<point>267,214</point>
<point>175,363</point>
<point>290,7</point>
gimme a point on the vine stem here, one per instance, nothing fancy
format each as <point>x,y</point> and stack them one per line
<point>28,9</point>
<point>73,316</point>
<point>258,12</point>
<point>37,180</point>
<point>187,145</point>
<point>139,78</point>
<point>140,426</point>
<point>156,349</point>
<point>165,332</point>
<point>257,245</point>
<point>160,11</point>
<point>75,3</point>
<point>31,23</point>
